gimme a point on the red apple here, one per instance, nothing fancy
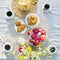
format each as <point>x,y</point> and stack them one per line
<point>42,31</point>
<point>38,38</point>
<point>33,36</point>
<point>28,32</point>
<point>36,42</point>
<point>42,37</point>
<point>35,30</point>
<point>20,49</point>
<point>31,41</point>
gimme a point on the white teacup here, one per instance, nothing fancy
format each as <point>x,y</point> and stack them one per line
<point>9,14</point>
<point>46,7</point>
<point>52,49</point>
<point>7,47</point>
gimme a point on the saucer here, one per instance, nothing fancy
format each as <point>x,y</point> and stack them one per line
<point>10,46</point>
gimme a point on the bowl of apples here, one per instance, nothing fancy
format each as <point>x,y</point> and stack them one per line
<point>37,35</point>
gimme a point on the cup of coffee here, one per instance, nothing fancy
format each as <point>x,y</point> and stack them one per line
<point>7,47</point>
<point>46,7</point>
<point>9,15</point>
<point>52,49</point>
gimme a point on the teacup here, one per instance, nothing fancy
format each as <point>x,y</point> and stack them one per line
<point>46,7</point>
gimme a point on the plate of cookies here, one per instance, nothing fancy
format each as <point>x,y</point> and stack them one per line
<point>20,27</point>
<point>32,19</point>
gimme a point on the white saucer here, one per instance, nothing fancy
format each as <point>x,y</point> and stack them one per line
<point>11,47</point>
<point>27,21</point>
<point>11,17</point>
<point>23,30</point>
<point>48,10</point>
<point>50,47</point>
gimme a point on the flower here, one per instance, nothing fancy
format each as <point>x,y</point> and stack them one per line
<point>21,57</point>
<point>39,45</point>
<point>23,44</point>
<point>29,48</point>
<point>46,48</point>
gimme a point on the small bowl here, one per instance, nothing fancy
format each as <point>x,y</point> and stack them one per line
<point>27,21</point>
<point>22,32</point>
<point>52,46</point>
<point>7,45</point>
<point>9,15</point>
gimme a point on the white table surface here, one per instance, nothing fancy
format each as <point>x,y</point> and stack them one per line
<point>51,19</point>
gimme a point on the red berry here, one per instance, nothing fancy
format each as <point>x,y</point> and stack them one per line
<point>43,37</point>
<point>33,36</point>
<point>20,49</point>
<point>28,32</point>
<point>35,30</point>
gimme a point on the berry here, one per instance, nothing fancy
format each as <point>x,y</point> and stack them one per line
<point>20,49</point>
<point>33,36</point>
<point>28,32</point>
<point>42,37</point>
<point>35,30</point>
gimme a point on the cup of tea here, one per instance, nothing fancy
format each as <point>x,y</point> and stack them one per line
<point>46,7</point>
<point>52,49</point>
<point>9,14</point>
<point>7,47</point>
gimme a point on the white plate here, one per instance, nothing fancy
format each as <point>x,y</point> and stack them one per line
<point>27,21</point>
<point>23,30</point>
